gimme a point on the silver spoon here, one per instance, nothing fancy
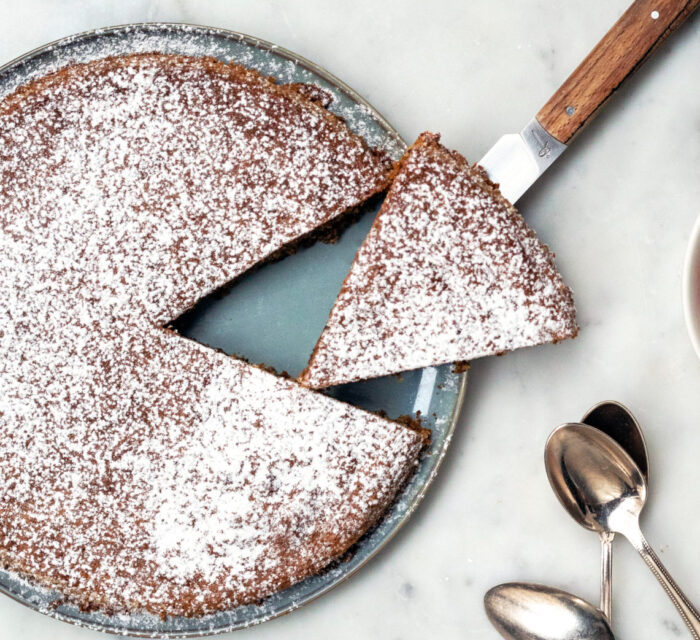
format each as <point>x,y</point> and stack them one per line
<point>524,611</point>
<point>618,422</point>
<point>600,485</point>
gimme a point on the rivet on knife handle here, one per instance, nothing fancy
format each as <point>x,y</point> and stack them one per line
<point>624,48</point>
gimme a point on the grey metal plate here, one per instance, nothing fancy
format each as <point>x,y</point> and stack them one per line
<point>273,315</point>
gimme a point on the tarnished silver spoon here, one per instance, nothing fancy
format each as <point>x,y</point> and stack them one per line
<point>525,611</point>
<point>618,422</point>
<point>602,487</point>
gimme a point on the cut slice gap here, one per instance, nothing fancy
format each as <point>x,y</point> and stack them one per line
<point>273,314</point>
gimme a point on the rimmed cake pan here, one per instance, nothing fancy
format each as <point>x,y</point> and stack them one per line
<point>234,322</point>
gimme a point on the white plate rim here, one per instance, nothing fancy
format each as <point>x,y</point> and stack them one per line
<point>691,287</point>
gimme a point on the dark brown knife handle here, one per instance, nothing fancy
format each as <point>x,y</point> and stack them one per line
<point>624,48</point>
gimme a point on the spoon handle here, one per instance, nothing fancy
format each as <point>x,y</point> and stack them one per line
<point>685,608</point>
<point>606,539</point>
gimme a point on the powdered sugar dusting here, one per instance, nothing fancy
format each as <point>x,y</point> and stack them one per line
<point>194,40</point>
<point>449,271</point>
<point>139,470</point>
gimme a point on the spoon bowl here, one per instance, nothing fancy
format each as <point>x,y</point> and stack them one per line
<point>617,421</point>
<point>594,478</point>
<point>521,610</point>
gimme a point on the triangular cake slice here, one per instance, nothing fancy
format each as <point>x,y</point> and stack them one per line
<point>449,272</point>
<point>140,471</point>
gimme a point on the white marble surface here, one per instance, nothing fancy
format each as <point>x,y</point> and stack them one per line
<point>618,210</point>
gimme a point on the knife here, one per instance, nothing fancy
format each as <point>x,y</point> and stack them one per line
<point>518,159</point>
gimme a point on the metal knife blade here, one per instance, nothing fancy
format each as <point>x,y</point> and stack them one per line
<point>518,159</point>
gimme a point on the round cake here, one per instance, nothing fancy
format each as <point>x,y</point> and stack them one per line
<point>141,471</point>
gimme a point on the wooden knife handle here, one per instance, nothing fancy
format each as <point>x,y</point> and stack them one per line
<point>624,48</point>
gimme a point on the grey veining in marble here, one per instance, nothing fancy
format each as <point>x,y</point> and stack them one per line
<point>617,210</point>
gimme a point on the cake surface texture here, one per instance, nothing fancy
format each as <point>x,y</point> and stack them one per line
<point>141,471</point>
<point>449,272</point>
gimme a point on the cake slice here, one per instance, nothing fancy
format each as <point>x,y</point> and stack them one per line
<point>449,272</point>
